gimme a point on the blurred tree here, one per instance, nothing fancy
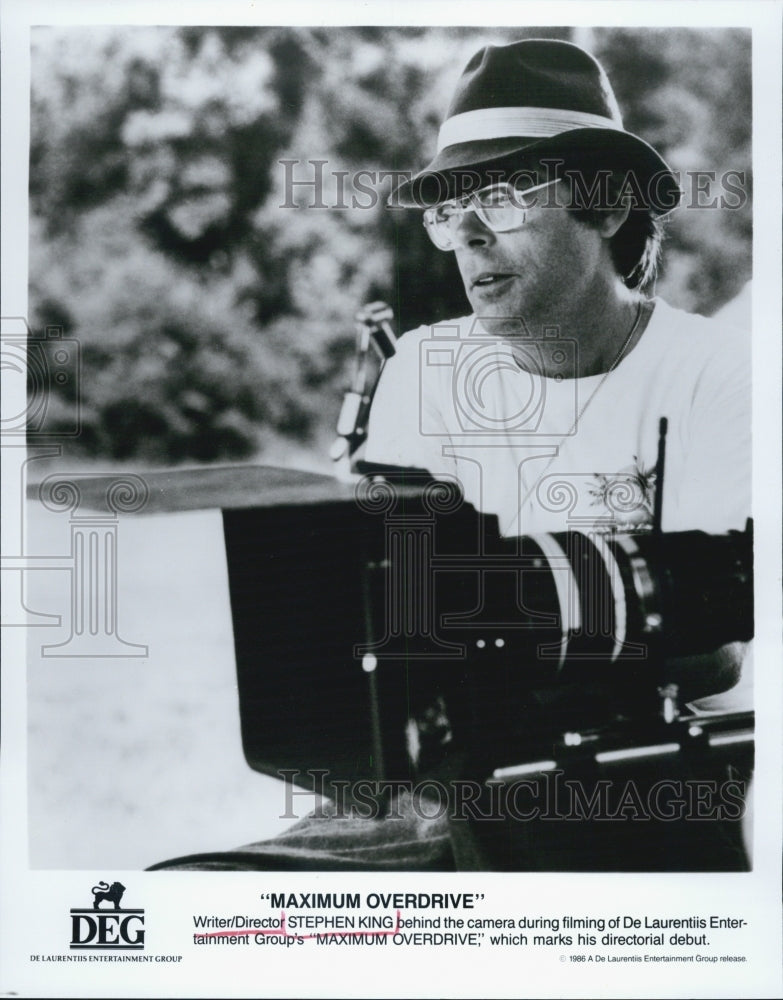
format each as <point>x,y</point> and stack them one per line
<point>212,320</point>
<point>688,93</point>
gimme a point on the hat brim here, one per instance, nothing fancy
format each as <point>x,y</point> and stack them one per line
<point>584,149</point>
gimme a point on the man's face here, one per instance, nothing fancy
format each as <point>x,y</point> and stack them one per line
<point>532,274</point>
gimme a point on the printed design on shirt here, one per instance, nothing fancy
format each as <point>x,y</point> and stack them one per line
<point>627,497</point>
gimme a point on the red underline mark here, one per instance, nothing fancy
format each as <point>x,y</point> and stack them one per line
<point>283,932</point>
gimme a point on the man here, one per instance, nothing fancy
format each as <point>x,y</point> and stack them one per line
<point>559,379</point>
<point>546,403</point>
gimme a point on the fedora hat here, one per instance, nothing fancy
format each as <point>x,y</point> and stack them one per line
<point>530,101</point>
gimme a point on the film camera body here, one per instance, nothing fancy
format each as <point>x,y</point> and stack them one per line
<point>398,637</point>
<point>410,641</point>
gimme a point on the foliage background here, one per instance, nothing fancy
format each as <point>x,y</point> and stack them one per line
<point>214,324</point>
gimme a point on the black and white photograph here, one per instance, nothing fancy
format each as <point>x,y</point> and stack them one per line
<point>391,499</point>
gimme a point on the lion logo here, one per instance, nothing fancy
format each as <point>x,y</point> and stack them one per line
<point>113,893</point>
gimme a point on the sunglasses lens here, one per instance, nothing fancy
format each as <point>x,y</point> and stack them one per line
<point>494,197</point>
<point>500,207</point>
<point>438,228</point>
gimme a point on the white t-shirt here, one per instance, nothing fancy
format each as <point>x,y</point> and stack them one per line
<point>551,454</point>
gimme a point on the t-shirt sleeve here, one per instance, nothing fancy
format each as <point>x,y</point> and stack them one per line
<point>406,425</point>
<point>715,494</point>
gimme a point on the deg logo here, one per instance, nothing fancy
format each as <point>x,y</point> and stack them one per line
<point>112,927</point>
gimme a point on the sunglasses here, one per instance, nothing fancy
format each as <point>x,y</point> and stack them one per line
<point>501,207</point>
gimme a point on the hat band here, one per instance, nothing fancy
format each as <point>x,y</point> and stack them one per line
<point>500,123</point>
